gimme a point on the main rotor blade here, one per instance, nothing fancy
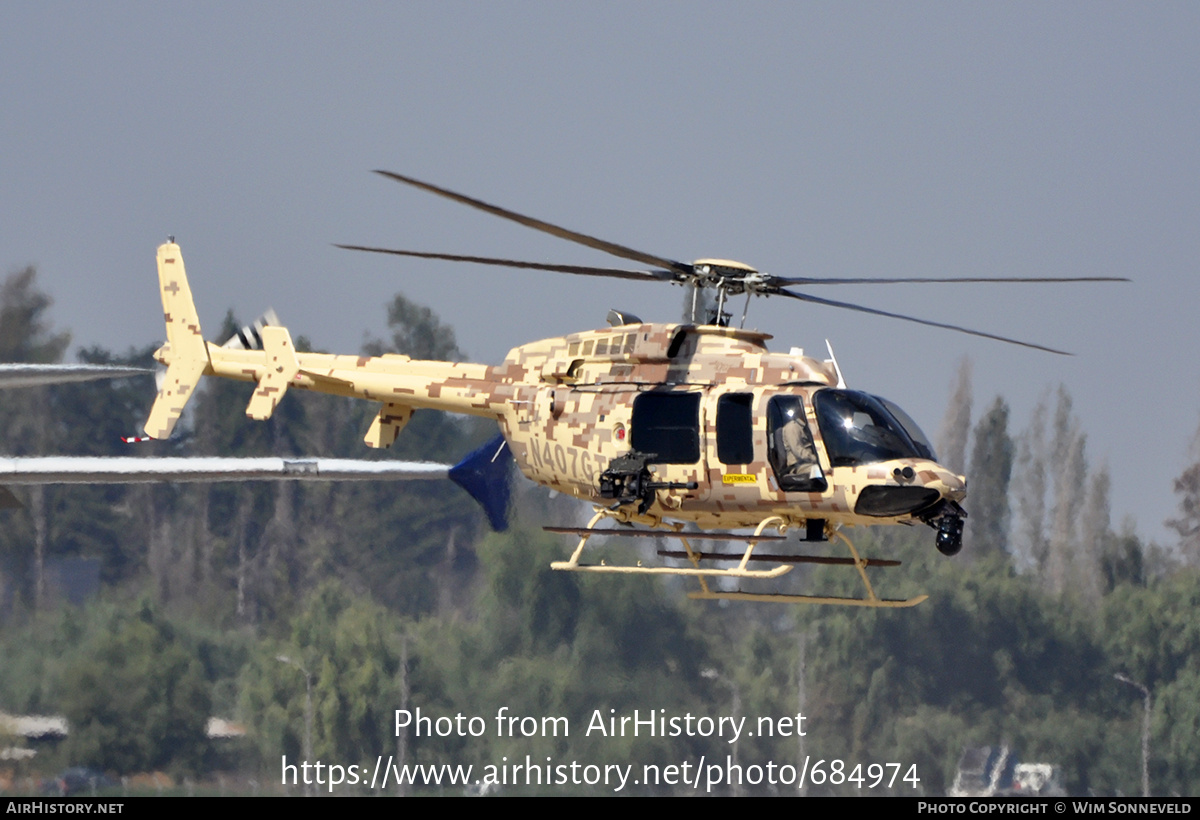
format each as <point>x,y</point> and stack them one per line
<point>848,306</point>
<point>803,280</point>
<point>32,375</point>
<point>585,270</point>
<point>194,469</point>
<point>538,225</point>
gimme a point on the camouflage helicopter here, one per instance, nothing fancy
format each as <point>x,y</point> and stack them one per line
<point>660,426</point>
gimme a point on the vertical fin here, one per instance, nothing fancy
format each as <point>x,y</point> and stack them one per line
<point>185,353</point>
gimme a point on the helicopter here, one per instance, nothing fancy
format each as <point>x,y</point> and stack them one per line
<point>661,426</point>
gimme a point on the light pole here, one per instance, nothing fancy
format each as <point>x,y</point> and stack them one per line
<point>308,714</point>
<point>1145,731</point>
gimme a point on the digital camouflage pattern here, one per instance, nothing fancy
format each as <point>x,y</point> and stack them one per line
<point>565,407</point>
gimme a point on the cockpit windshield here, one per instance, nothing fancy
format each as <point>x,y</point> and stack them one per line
<point>924,447</point>
<point>858,428</point>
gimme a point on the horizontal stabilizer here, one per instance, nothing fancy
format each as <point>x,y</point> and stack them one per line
<point>281,368</point>
<point>486,473</point>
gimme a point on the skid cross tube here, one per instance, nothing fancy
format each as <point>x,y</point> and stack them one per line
<point>701,574</point>
<point>573,565</point>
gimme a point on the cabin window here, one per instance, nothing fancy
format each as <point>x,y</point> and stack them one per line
<point>735,428</point>
<point>667,425</point>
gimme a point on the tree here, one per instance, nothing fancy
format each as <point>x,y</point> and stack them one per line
<point>344,650</point>
<point>1187,487</point>
<point>1030,542</point>
<point>1054,477</point>
<point>1097,542</point>
<point>1071,563</point>
<point>418,332</point>
<point>1124,560</point>
<point>135,697</point>
<point>25,336</point>
<point>991,469</point>
<point>1177,727</point>
<point>956,425</point>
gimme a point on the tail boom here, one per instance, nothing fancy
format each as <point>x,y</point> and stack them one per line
<point>400,384</point>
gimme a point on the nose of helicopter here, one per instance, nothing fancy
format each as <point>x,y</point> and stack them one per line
<point>952,487</point>
<point>908,487</point>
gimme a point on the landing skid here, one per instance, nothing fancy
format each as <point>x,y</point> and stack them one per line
<point>702,574</point>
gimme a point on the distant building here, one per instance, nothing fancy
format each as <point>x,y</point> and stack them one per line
<point>37,729</point>
<point>984,771</point>
<point>993,771</point>
<point>28,729</point>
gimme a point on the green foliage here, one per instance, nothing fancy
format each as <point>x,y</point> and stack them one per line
<point>1176,729</point>
<point>985,659</point>
<point>1122,561</point>
<point>417,332</point>
<point>34,655</point>
<point>1151,633</point>
<point>135,696</point>
<point>343,652</point>
<point>547,644</point>
<point>991,468</point>
<point>1187,487</point>
<point>25,334</point>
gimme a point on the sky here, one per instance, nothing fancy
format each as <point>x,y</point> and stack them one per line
<point>806,139</point>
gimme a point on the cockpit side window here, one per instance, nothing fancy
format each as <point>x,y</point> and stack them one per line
<point>793,454</point>
<point>668,425</point>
